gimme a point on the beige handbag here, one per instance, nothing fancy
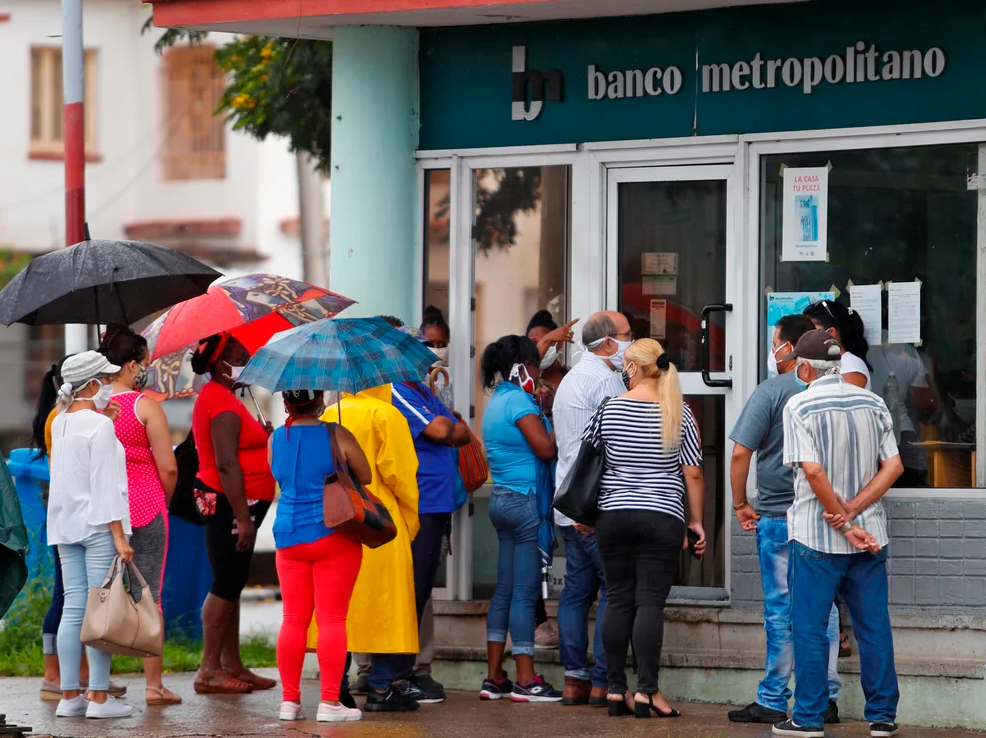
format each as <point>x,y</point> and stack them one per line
<point>117,624</point>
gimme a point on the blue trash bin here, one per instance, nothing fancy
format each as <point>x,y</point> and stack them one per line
<point>187,578</point>
<point>30,471</point>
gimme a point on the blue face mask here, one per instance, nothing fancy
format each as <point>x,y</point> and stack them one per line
<point>802,384</point>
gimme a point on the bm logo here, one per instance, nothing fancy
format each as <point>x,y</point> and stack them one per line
<point>539,83</point>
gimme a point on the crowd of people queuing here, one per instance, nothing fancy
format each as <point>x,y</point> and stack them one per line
<point>825,450</point>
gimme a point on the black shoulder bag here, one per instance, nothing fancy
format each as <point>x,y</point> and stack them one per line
<point>578,496</point>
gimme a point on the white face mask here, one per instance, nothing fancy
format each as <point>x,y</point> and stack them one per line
<point>617,358</point>
<point>102,398</point>
<point>550,357</point>
<point>235,372</point>
<point>772,369</point>
<point>442,354</point>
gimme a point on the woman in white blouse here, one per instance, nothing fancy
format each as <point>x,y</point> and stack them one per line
<point>89,521</point>
<point>845,325</point>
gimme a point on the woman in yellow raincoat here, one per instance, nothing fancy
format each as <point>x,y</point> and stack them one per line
<point>382,615</point>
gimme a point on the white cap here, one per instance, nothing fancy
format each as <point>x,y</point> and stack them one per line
<point>79,369</point>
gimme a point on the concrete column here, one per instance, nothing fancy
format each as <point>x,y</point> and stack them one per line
<point>374,188</point>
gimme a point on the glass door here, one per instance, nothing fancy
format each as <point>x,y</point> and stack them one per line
<point>668,249</point>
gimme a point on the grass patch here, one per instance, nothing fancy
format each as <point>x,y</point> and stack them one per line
<point>20,642</point>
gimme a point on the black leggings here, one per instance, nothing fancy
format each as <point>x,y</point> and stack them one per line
<point>640,552</point>
<point>230,568</point>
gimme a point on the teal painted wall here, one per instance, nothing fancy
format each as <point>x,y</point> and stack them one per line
<point>466,72</point>
<point>374,185</point>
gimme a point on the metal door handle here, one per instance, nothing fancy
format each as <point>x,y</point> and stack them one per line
<point>725,307</point>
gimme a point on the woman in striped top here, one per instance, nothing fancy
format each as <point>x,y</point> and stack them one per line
<point>652,457</point>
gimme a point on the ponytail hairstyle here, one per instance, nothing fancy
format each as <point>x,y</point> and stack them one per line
<point>209,352</point>
<point>848,326</point>
<point>499,358</point>
<point>651,359</point>
<point>121,345</point>
<point>433,318</point>
<point>47,398</point>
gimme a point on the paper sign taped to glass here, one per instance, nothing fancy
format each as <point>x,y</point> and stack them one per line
<point>805,223</point>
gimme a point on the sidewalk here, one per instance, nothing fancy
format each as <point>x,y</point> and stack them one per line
<point>462,716</point>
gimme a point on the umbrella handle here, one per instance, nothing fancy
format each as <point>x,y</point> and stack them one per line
<point>263,420</point>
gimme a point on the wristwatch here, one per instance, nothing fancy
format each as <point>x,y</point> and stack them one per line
<point>847,527</point>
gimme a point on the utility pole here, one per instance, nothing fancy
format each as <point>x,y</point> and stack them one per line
<point>311,217</point>
<point>74,132</point>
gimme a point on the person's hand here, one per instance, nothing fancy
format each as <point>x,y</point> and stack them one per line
<point>247,534</point>
<point>268,426</point>
<point>563,334</point>
<point>700,544</point>
<point>747,517</point>
<point>862,540</point>
<point>112,411</point>
<point>839,521</point>
<point>587,530</point>
<point>123,549</point>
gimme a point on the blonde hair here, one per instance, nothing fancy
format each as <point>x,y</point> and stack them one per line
<point>646,354</point>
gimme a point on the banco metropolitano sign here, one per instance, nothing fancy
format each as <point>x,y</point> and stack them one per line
<point>859,64</point>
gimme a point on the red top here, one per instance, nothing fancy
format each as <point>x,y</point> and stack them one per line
<point>144,486</point>
<point>213,400</point>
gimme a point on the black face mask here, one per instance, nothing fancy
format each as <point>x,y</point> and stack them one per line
<point>626,379</point>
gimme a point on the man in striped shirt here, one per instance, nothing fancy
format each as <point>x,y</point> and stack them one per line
<point>840,441</point>
<point>597,377</point>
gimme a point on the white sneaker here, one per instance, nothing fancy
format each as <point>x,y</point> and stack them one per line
<point>291,711</point>
<point>72,708</point>
<point>112,708</point>
<point>337,714</point>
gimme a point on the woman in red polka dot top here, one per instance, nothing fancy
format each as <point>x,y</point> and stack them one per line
<point>143,430</point>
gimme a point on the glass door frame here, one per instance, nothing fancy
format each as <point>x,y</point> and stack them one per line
<point>736,321</point>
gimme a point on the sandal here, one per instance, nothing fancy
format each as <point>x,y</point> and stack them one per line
<point>643,709</point>
<point>256,681</point>
<point>160,696</point>
<point>220,682</point>
<point>618,707</point>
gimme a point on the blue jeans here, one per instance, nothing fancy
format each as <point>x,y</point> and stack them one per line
<point>773,549</point>
<point>583,578</point>
<point>861,578</point>
<point>518,571</point>
<point>84,565</point>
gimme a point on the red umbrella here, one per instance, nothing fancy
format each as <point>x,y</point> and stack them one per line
<point>252,308</point>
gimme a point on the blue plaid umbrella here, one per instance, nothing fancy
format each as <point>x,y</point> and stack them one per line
<point>344,355</point>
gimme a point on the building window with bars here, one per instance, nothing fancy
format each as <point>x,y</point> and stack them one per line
<point>194,136</point>
<point>47,131</point>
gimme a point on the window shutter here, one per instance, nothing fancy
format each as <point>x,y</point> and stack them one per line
<point>194,138</point>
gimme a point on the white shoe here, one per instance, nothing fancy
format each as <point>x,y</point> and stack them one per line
<point>291,711</point>
<point>72,708</point>
<point>337,714</point>
<point>112,708</point>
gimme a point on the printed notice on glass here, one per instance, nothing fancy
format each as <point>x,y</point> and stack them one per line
<point>659,262</point>
<point>865,301</point>
<point>806,205</point>
<point>660,284</point>
<point>904,313</point>
<point>658,319</point>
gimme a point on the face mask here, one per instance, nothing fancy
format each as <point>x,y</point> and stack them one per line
<point>772,369</point>
<point>621,347</point>
<point>102,398</point>
<point>627,376</point>
<point>442,354</point>
<point>550,357</point>
<point>802,384</point>
<point>140,378</point>
<point>524,380</point>
<point>235,372</point>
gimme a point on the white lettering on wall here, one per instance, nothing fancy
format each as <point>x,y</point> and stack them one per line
<point>633,82</point>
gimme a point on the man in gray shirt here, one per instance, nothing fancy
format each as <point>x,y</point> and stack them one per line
<point>760,429</point>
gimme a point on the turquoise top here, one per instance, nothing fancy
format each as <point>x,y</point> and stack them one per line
<point>512,461</point>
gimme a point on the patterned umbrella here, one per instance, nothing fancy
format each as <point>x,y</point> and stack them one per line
<point>253,308</point>
<point>341,355</point>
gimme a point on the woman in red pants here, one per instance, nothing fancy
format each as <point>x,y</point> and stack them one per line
<point>317,567</point>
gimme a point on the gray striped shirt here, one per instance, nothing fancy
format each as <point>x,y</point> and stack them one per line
<point>849,432</point>
<point>578,397</point>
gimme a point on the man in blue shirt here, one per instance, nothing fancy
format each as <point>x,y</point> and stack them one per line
<point>760,429</point>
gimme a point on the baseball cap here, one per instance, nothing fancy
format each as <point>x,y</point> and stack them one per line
<point>815,346</point>
<point>80,368</point>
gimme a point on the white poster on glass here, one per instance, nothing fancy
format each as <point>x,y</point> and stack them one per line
<point>865,299</point>
<point>904,312</point>
<point>659,319</point>
<point>806,205</point>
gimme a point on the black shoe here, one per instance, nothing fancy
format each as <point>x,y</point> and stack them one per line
<point>757,713</point>
<point>394,699</point>
<point>429,692</point>
<point>883,730</point>
<point>346,699</point>
<point>789,727</point>
<point>362,685</point>
<point>831,715</point>
<point>493,690</point>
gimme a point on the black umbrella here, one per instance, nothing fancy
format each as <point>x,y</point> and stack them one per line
<point>103,282</point>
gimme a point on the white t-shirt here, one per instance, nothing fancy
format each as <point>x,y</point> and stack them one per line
<point>88,478</point>
<point>852,364</point>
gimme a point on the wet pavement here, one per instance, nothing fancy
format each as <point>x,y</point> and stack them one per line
<point>462,716</point>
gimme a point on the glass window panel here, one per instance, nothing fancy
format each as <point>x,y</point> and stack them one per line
<point>436,238</point>
<point>684,222</point>
<point>901,214</point>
